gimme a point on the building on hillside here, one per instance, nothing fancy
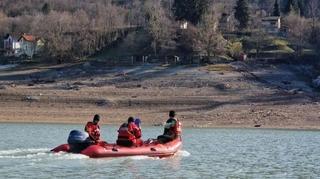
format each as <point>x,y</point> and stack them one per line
<point>225,24</point>
<point>272,24</point>
<point>183,24</point>
<point>29,45</point>
<point>10,45</point>
<point>260,13</point>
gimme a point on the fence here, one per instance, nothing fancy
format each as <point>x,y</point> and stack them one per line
<point>170,59</point>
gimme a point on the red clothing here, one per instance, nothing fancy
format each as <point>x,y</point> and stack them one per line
<point>178,129</point>
<point>93,131</point>
<point>130,133</point>
<point>134,129</point>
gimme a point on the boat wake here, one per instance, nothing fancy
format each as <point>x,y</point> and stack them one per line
<point>183,153</point>
<point>22,153</point>
<point>140,158</point>
<point>34,153</point>
<point>45,154</point>
<point>180,153</point>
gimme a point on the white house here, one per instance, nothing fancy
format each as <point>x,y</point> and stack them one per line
<point>7,42</point>
<point>225,22</point>
<point>29,45</point>
<point>183,25</point>
<point>272,24</point>
<point>10,45</point>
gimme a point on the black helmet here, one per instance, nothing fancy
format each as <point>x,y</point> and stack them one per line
<point>96,118</point>
<point>130,119</point>
<point>172,114</point>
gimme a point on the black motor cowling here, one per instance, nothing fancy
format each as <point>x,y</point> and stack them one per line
<point>78,141</point>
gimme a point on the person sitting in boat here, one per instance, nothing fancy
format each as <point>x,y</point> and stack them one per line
<point>129,134</point>
<point>93,129</point>
<point>172,129</point>
<point>137,122</point>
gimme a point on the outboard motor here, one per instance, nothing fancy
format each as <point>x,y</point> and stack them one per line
<point>78,141</point>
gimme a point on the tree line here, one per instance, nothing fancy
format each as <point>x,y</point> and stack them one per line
<point>79,28</point>
<point>70,29</point>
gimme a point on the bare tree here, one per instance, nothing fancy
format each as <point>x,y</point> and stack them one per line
<point>259,37</point>
<point>3,24</point>
<point>80,33</point>
<point>135,14</point>
<point>158,25</point>
<point>211,40</point>
<point>80,26</point>
<point>258,34</point>
<point>55,28</point>
<point>313,12</point>
<point>298,28</point>
<point>2,16</point>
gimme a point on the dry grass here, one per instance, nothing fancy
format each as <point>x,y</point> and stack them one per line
<point>220,68</point>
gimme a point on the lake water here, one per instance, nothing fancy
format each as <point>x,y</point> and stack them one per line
<point>207,153</point>
<point>5,67</point>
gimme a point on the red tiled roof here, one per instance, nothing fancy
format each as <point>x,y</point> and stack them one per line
<point>29,38</point>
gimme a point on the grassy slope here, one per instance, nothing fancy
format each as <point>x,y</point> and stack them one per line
<point>135,43</point>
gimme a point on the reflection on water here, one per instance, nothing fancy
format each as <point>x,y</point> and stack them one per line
<point>206,153</point>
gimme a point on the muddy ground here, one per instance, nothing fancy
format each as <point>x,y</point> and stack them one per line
<point>230,95</point>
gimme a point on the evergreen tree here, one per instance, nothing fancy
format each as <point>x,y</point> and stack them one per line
<point>288,7</point>
<point>190,10</point>
<point>242,13</point>
<point>46,8</point>
<point>302,7</point>
<point>276,9</point>
<point>292,5</point>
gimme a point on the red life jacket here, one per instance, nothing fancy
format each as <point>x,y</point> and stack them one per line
<point>93,130</point>
<point>133,128</point>
<point>176,129</point>
<point>129,132</point>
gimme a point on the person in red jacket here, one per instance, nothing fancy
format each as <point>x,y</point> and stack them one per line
<point>129,134</point>
<point>172,129</point>
<point>93,129</point>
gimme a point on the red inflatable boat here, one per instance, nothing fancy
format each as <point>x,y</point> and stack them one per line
<point>103,149</point>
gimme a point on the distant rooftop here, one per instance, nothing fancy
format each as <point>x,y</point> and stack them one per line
<point>29,38</point>
<point>271,18</point>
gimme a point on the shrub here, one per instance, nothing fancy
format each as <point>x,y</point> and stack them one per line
<point>234,49</point>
